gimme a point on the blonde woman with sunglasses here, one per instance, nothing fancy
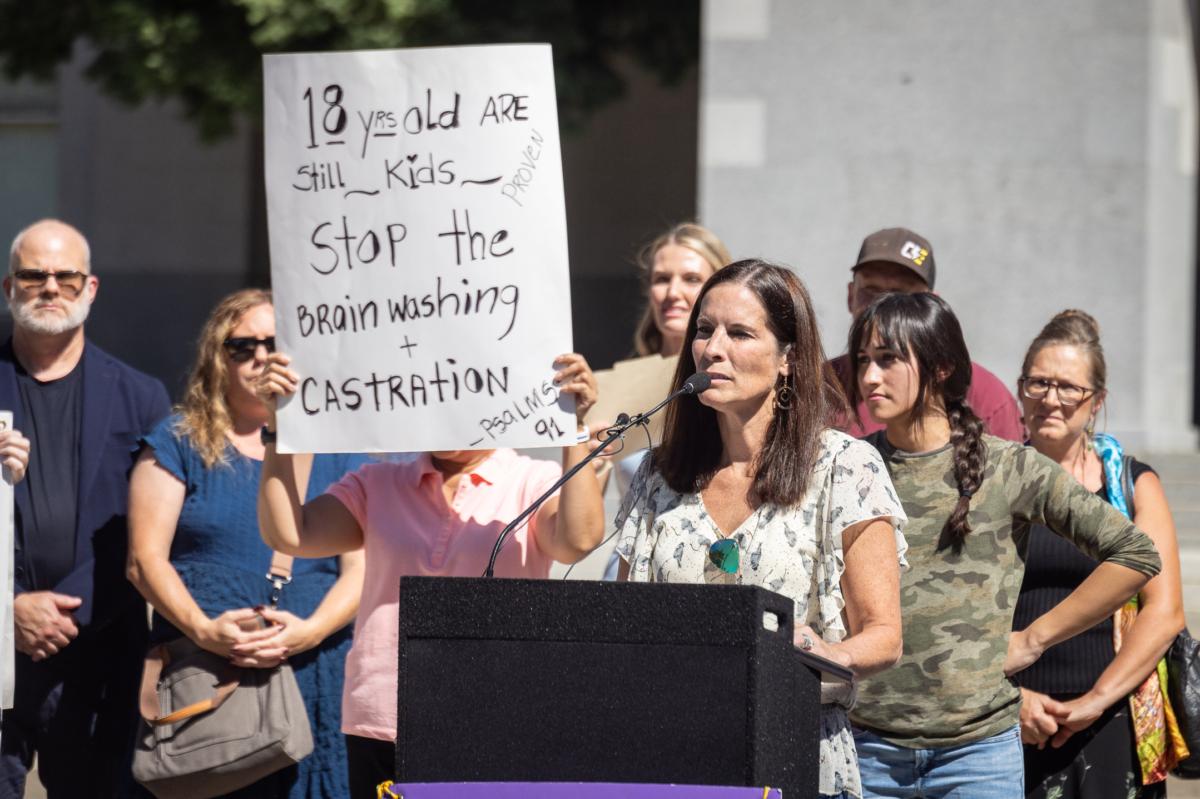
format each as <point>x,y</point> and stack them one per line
<point>196,555</point>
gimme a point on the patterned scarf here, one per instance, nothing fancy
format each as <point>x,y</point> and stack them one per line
<point>1157,737</point>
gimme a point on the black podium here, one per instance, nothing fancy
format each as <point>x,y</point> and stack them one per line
<point>540,680</point>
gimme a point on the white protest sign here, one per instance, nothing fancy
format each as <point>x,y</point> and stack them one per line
<point>7,641</point>
<point>418,248</point>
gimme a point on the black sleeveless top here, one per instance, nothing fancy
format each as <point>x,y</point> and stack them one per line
<point>1053,569</point>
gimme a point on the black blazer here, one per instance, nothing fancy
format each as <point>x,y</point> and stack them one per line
<point>120,404</point>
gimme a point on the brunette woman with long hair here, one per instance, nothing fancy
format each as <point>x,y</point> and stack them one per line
<point>749,486</point>
<point>943,722</point>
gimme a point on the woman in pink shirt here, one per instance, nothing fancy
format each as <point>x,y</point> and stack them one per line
<point>438,514</point>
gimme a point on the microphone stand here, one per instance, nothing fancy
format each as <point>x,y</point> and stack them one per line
<point>614,433</point>
<point>624,423</point>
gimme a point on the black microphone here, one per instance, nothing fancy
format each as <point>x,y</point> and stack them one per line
<point>695,384</point>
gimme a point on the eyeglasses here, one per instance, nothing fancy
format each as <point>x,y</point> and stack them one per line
<point>242,348</point>
<point>723,562</point>
<point>1038,387</point>
<point>70,281</point>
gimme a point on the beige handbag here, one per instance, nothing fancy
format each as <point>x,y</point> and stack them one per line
<point>210,727</point>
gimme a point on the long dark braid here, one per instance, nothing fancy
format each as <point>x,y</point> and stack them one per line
<point>970,459</point>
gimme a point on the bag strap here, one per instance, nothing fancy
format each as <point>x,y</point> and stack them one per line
<point>281,565</point>
<point>156,660</point>
<point>280,572</point>
<point>279,575</point>
<point>1127,483</point>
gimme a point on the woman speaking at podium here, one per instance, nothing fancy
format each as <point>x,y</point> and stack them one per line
<point>750,486</point>
<point>438,514</point>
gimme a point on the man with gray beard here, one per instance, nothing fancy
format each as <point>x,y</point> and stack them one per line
<point>80,628</point>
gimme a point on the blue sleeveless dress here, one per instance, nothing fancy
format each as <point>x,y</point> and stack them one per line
<point>223,561</point>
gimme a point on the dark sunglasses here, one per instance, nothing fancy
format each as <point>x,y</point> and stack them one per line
<point>70,281</point>
<point>242,348</point>
<point>723,562</point>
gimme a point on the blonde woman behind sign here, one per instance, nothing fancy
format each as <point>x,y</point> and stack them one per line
<point>674,267</point>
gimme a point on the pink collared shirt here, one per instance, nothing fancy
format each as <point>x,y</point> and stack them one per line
<point>409,529</point>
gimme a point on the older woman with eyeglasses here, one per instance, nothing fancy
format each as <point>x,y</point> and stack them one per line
<point>196,555</point>
<point>1092,714</point>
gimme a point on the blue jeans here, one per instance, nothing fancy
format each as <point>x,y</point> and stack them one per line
<point>993,768</point>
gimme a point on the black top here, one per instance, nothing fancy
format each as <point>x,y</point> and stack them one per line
<point>52,412</point>
<point>1053,569</point>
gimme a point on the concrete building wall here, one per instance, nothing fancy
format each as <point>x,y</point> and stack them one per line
<point>1046,149</point>
<point>629,175</point>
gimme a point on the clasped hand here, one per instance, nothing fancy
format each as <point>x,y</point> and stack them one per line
<point>1045,720</point>
<point>257,638</point>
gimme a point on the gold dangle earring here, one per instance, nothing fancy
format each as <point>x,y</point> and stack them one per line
<point>783,394</point>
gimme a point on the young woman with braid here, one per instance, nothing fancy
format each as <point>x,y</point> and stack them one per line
<point>1092,714</point>
<point>944,720</point>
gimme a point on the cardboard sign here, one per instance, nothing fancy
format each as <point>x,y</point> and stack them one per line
<point>418,248</point>
<point>634,386</point>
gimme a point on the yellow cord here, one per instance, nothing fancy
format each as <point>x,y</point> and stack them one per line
<point>384,791</point>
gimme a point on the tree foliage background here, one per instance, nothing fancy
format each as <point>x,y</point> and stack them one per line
<point>207,53</point>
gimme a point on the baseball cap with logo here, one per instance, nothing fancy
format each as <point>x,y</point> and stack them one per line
<point>902,247</point>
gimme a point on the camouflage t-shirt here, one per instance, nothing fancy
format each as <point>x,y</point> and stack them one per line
<point>949,686</point>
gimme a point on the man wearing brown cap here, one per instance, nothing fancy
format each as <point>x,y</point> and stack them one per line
<point>899,260</point>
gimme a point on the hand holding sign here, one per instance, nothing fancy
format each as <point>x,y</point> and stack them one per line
<point>276,381</point>
<point>14,453</point>
<point>574,376</point>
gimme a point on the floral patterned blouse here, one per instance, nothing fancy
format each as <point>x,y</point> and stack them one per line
<point>797,552</point>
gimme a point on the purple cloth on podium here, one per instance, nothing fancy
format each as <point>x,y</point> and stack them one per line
<point>574,790</point>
